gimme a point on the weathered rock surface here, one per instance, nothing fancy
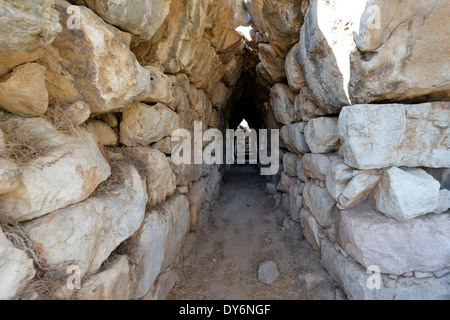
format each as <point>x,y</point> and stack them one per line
<point>143,124</point>
<point>311,229</point>
<point>23,90</point>
<point>285,183</point>
<point>142,18</point>
<point>27,28</point>
<point>305,107</point>
<point>371,238</point>
<point>159,240</point>
<point>103,134</point>
<point>283,20</point>
<point>290,164</point>
<point>95,45</point>
<point>406,194</point>
<point>272,62</point>
<point>321,204</point>
<point>294,139</point>
<point>232,71</point>
<point>338,176</point>
<point>295,199</point>
<point>357,189</point>
<point>400,52</point>
<point>111,284</point>
<point>67,172</point>
<point>161,181</point>
<point>268,272</point>
<point>77,112</point>
<point>316,166</point>
<point>379,136</point>
<point>186,173</point>
<point>271,188</point>
<point>162,286</point>
<point>353,279</point>
<point>160,87</point>
<point>443,202</point>
<point>10,176</point>
<point>282,100</point>
<point>294,72</point>
<point>326,41</point>
<point>86,233</point>
<point>16,269</point>
<point>322,135</point>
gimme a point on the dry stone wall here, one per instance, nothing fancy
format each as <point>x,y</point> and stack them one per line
<point>367,144</point>
<point>90,93</point>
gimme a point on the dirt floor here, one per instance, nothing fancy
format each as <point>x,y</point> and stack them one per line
<point>242,229</point>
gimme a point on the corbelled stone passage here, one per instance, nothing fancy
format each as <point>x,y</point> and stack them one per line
<point>92,205</point>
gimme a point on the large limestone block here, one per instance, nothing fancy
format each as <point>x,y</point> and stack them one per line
<point>143,124</point>
<point>103,134</point>
<point>67,172</point>
<point>326,41</point>
<point>77,112</point>
<point>160,87</point>
<point>283,21</point>
<point>255,10</point>
<point>379,136</point>
<point>219,95</point>
<point>233,45</point>
<point>400,52</point>
<point>406,194</point>
<point>311,229</point>
<point>10,176</point>
<point>159,240</point>
<point>85,234</point>
<point>111,284</point>
<point>443,202</point>
<point>232,71</point>
<point>371,238</point>
<point>321,134</point>
<point>294,72</point>
<point>161,181</point>
<point>196,197</point>
<point>293,138</point>
<point>282,100</point>
<point>285,183</point>
<point>272,62</point>
<point>316,166</point>
<point>26,29</point>
<point>141,18</point>
<point>186,173</point>
<point>238,14</point>
<point>94,64</point>
<point>295,199</point>
<point>24,91</point>
<point>206,68</point>
<point>338,176</point>
<point>175,46</point>
<point>290,164</point>
<point>305,107</point>
<point>358,188</point>
<point>16,269</point>
<point>320,203</point>
<point>354,280</point>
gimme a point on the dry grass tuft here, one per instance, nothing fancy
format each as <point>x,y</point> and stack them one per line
<point>48,280</point>
<point>21,146</point>
<point>58,118</point>
<point>118,158</point>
